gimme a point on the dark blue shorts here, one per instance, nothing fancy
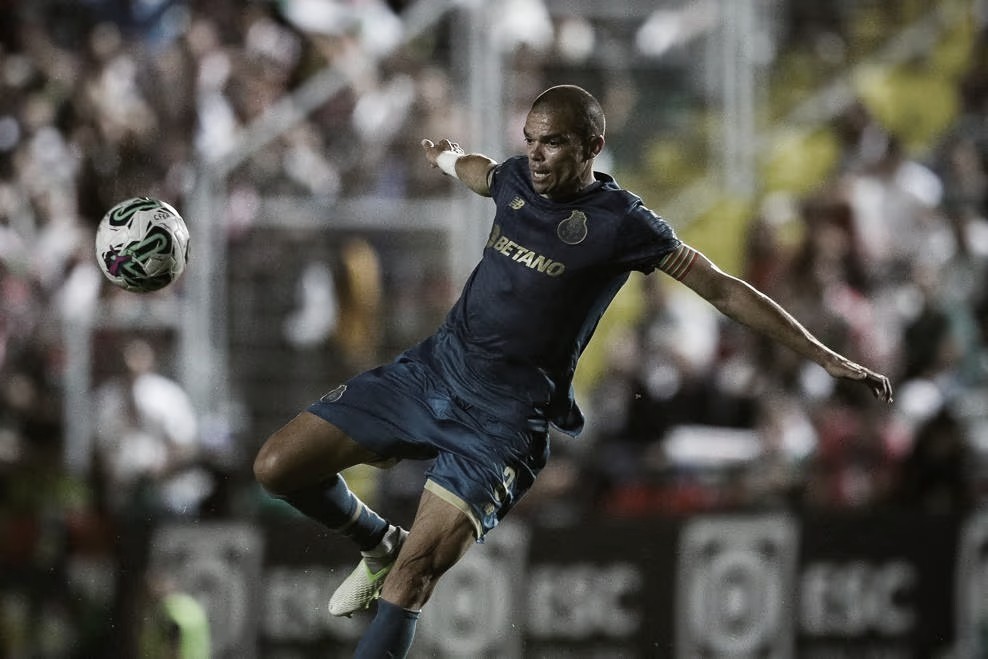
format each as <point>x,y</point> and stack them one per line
<point>485,457</point>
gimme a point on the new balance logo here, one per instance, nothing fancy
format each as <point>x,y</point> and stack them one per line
<point>516,203</point>
<point>334,395</point>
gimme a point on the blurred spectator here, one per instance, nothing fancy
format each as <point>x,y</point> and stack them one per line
<point>789,439</point>
<point>964,169</point>
<point>936,476</point>
<point>174,625</point>
<point>358,331</point>
<point>855,460</point>
<point>827,283</point>
<point>932,367</point>
<point>147,440</point>
<point>863,140</point>
<point>894,202</point>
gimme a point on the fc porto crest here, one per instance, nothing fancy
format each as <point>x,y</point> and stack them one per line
<point>573,230</point>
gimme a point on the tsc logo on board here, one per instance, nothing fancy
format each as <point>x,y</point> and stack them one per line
<point>220,565</point>
<point>735,586</point>
<point>971,588</point>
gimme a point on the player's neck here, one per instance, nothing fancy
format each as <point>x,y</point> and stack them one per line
<point>587,183</point>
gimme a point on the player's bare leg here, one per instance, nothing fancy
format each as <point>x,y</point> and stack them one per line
<point>439,537</point>
<point>305,451</point>
<point>300,463</point>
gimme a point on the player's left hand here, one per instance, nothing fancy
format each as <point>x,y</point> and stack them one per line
<point>880,386</point>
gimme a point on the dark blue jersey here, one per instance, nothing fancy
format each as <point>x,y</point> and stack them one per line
<point>548,272</point>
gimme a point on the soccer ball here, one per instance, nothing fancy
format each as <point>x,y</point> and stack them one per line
<point>142,244</point>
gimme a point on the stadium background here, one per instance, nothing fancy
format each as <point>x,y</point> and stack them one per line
<point>726,500</point>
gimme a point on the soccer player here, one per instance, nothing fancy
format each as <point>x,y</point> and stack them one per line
<point>478,396</point>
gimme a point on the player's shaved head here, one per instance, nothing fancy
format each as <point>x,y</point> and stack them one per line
<point>578,105</point>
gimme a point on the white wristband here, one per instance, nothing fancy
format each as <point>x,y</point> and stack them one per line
<point>446,161</point>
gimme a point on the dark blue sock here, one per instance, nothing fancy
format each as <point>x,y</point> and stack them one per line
<point>332,503</point>
<point>390,633</point>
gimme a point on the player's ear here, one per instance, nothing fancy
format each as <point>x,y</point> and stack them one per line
<point>594,146</point>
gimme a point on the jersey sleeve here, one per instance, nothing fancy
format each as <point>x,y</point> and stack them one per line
<point>645,239</point>
<point>499,175</point>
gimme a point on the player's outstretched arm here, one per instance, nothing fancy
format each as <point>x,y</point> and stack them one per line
<point>740,301</point>
<point>473,169</point>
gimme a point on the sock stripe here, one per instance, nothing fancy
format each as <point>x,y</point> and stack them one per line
<point>358,510</point>
<point>336,507</point>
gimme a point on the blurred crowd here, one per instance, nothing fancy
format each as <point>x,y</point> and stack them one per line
<point>106,99</point>
<point>109,99</point>
<point>886,261</point>
<point>886,264</point>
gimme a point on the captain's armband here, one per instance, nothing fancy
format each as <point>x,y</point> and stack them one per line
<point>678,262</point>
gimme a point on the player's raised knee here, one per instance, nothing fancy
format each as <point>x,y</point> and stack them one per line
<point>269,471</point>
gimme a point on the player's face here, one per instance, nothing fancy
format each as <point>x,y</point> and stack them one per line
<point>559,160</point>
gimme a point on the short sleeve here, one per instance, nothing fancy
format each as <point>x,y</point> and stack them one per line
<point>644,240</point>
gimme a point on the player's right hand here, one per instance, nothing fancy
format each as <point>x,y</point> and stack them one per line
<point>432,150</point>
